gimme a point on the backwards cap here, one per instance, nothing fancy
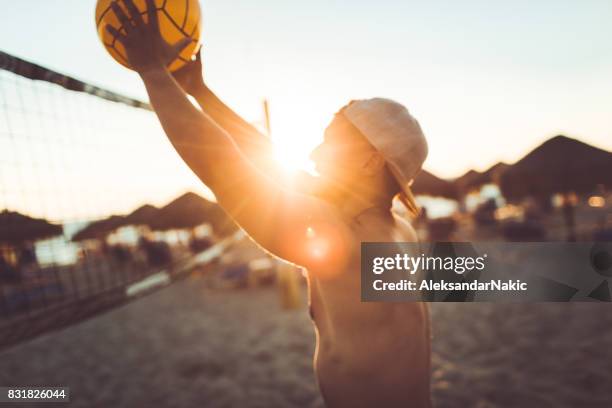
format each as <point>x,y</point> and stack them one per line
<point>397,136</point>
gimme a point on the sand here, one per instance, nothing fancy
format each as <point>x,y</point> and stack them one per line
<point>191,346</point>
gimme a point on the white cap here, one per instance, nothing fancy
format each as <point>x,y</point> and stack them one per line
<point>394,132</point>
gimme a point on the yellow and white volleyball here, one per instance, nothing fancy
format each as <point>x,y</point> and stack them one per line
<point>178,19</point>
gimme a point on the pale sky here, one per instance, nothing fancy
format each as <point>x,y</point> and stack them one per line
<point>487,80</point>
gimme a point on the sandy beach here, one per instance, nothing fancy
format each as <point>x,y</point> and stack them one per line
<point>191,346</point>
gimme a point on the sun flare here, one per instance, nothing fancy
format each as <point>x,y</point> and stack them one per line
<point>292,157</point>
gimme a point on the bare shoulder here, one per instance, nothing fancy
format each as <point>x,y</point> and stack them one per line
<point>384,228</point>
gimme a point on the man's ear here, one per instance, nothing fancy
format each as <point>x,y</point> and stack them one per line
<point>374,164</point>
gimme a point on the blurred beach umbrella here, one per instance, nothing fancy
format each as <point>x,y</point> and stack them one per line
<point>16,228</point>
<point>142,215</point>
<point>99,229</point>
<point>426,183</point>
<point>186,212</point>
<point>560,164</point>
<point>189,211</point>
<point>475,179</point>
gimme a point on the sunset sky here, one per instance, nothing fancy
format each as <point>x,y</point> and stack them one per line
<point>487,80</point>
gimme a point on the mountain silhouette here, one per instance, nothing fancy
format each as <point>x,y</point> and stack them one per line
<point>141,215</point>
<point>474,179</point>
<point>560,164</point>
<point>427,184</point>
<point>191,210</point>
<point>186,211</point>
<point>16,228</point>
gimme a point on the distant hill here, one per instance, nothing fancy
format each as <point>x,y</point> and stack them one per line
<point>557,165</point>
<point>142,215</point>
<point>16,228</point>
<point>101,228</point>
<point>187,211</point>
<point>191,210</point>
<point>426,183</point>
<point>474,179</point>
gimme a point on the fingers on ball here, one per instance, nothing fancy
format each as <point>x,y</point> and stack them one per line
<point>122,17</point>
<point>134,12</point>
<point>114,32</point>
<point>152,13</point>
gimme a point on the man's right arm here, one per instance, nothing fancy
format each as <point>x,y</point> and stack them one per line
<point>253,144</point>
<point>251,141</point>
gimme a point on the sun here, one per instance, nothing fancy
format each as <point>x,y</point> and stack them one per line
<point>292,156</point>
<point>293,143</point>
<point>289,158</point>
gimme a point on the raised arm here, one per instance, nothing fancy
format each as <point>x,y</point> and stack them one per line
<point>250,140</point>
<point>293,226</point>
<point>254,144</point>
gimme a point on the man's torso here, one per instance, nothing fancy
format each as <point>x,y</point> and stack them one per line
<point>365,346</point>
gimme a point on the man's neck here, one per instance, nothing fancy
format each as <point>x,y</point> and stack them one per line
<point>359,200</point>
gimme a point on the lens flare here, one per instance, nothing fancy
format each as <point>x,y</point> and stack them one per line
<point>323,247</point>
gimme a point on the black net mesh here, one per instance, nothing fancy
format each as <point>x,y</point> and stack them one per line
<point>71,153</point>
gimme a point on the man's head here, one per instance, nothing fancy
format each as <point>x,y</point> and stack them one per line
<point>345,156</point>
<point>373,144</point>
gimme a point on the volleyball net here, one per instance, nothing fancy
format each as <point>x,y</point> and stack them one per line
<point>84,175</point>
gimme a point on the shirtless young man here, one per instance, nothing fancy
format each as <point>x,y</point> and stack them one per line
<point>367,354</point>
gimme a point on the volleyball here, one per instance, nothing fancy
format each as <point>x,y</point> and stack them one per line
<point>178,19</point>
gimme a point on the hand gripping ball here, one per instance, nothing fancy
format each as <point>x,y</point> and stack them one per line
<point>177,19</point>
